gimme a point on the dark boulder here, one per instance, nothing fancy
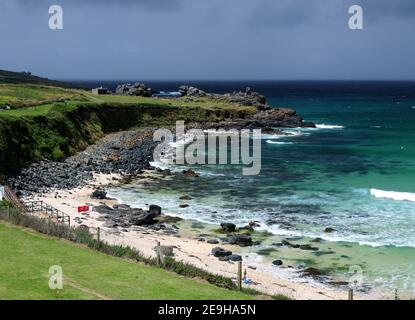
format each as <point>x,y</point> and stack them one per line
<point>99,194</point>
<point>235,257</point>
<point>143,218</point>
<point>228,227</point>
<point>155,209</point>
<point>220,252</point>
<point>242,240</point>
<point>277,262</point>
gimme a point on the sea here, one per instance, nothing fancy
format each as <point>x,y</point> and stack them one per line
<point>354,173</point>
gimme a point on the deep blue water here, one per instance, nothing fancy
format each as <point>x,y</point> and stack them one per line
<point>355,172</point>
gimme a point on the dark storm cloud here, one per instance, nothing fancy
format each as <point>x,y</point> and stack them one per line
<point>209,39</point>
<point>148,4</point>
<point>289,13</point>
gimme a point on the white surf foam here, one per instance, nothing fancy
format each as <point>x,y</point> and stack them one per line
<point>278,142</point>
<point>328,126</point>
<point>399,196</point>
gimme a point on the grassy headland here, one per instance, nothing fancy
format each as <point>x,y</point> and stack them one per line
<point>53,123</point>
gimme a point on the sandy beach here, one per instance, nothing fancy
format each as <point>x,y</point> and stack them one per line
<point>265,278</point>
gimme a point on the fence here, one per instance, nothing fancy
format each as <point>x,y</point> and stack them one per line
<point>84,236</point>
<point>44,208</point>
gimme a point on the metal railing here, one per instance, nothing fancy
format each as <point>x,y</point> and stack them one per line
<point>52,212</point>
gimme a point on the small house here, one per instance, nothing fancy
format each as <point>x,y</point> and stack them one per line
<point>100,90</point>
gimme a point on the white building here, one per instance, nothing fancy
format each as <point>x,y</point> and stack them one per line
<point>1,193</point>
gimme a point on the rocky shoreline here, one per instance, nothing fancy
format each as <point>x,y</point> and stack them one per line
<point>129,152</point>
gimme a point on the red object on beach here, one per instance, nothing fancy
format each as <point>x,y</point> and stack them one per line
<point>83,209</point>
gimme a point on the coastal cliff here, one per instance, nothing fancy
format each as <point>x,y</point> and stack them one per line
<point>65,128</point>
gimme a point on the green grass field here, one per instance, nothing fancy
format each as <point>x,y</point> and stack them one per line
<point>32,100</point>
<point>26,257</point>
<point>29,95</point>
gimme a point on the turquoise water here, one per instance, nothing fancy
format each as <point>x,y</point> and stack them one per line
<point>354,173</point>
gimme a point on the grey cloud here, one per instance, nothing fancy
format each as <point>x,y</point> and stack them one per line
<point>147,4</point>
<point>209,39</point>
<point>291,13</point>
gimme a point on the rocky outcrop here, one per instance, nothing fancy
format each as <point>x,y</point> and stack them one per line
<point>247,98</point>
<point>125,216</point>
<point>136,89</point>
<point>190,91</point>
<point>228,227</point>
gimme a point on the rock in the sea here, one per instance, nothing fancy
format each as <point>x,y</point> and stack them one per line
<point>190,173</point>
<point>242,240</point>
<point>254,224</point>
<point>329,230</point>
<point>155,209</point>
<point>312,272</point>
<point>185,197</point>
<point>277,262</point>
<point>213,241</point>
<point>183,205</point>
<point>308,247</point>
<point>247,228</point>
<point>220,252</point>
<point>228,227</point>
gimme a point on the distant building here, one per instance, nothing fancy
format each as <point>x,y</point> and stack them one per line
<point>100,90</point>
<point>1,193</point>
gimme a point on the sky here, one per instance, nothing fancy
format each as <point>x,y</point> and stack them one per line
<point>209,40</point>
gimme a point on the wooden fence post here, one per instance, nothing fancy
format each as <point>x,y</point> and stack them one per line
<point>240,275</point>
<point>99,234</point>
<point>49,224</point>
<point>350,294</point>
<point>8,212</point>
<point>158,249</point>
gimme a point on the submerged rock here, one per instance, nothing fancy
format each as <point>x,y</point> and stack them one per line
<point>308,247</point>
<point>312,272</point>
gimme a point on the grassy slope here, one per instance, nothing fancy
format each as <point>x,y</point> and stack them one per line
<point>23,78</point>
<point>45,127</point>
<point>29,95</point>
<point>26,257</point>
